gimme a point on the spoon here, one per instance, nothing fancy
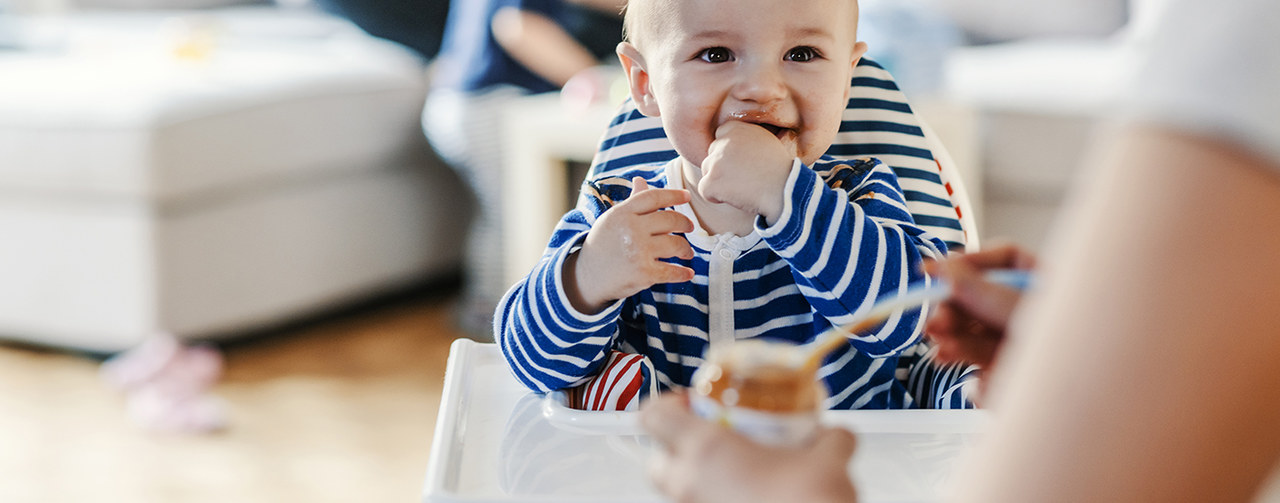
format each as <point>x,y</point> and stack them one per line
<point>884,307</point>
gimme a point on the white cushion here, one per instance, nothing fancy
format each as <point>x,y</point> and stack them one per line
<point>283,174</point>
<point>111,111</point>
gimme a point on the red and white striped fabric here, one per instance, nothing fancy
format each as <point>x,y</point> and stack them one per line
<point>622,383</point>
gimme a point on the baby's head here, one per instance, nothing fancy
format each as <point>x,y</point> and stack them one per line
<point>782,64</point>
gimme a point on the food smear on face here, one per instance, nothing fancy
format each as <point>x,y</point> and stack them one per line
<point>765,120</point>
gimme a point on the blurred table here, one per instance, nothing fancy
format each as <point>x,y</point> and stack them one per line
<point>494,443</point>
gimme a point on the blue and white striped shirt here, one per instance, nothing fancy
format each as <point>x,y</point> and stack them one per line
<point>844,239</point>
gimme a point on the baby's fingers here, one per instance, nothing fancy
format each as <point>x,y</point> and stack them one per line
<point>663,272</point>
<point>665,222</point>
<point>671,246</point>
<point>651,200</point>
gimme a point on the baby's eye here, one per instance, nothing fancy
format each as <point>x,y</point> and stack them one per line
<point>802,54</point>
<point>715,55</point>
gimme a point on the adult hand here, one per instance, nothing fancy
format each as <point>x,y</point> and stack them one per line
<point>747,168</point>
<point>700,461</point>
<point>622,253</point>
<point>970,326</point>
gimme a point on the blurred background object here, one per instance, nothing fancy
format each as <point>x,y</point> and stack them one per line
<point>1014,90</point>
<point>207,173</point>
<point>993,21</point>
<point>416,24</point>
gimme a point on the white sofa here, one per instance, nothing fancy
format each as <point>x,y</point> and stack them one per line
<point>210,174</point>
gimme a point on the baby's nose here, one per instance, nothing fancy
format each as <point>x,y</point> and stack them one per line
<point>760,83</point>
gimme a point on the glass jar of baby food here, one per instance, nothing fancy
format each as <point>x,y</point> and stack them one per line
<point>761,389</point>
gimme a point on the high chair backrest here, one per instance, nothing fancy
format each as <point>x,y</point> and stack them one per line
<point>878,122</point>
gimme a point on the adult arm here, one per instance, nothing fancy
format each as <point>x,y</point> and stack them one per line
<point>540,44</point>
<point>1149,370</point>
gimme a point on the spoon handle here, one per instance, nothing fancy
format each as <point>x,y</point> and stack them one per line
<point>915,296</point>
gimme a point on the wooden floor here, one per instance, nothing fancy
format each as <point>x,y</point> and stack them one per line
<point>340,409</point>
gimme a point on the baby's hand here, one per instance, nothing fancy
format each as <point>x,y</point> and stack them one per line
<point>621,255</point>
<point>746,167</point>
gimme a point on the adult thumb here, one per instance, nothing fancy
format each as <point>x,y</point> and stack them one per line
<point>989,302</point>
<point>839,443</point>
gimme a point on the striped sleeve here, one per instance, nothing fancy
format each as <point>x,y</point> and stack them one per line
<point>849,240</point>
<point>549,344</point>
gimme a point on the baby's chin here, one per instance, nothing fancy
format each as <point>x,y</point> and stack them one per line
<point>810,156</point>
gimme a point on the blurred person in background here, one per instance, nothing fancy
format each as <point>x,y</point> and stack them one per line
<point>493,52</point>
<point>1142,365</point>
<point>419,24</point>
<point>416,24</point>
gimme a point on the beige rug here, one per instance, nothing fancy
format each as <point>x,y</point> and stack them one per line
<point>339,410</point>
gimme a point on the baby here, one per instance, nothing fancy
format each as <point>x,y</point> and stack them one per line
<point>750,232</point>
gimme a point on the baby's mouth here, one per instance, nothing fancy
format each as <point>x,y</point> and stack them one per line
<point>762,120</point>
<point>779,132</point>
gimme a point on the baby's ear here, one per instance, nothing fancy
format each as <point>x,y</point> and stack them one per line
<point>638,79</point>
<point>859,50</point>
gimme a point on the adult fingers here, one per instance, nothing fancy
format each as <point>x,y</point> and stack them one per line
<point>667,418</point>
<point>960,337</point>
<point>671,476</point>
<point>1000,256</point>
<point>660,471</point>
<point>988,302</point>
<point>941,322</point>
<point>941,329</point>
<point>835,443</point>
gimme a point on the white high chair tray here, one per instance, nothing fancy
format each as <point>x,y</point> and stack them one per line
<point>495,442</point>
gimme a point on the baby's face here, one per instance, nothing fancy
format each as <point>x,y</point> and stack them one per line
<point>782,64</point>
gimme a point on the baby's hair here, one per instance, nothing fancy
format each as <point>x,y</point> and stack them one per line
<point>638,18</point>
<point>629,21</point>
<point>626,22</point>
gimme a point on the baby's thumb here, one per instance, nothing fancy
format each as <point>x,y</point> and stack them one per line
<point>707,187</point>
<point>638,185</point>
